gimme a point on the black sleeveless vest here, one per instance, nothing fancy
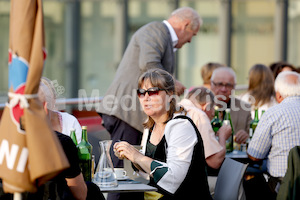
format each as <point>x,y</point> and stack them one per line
<point>195,185</point>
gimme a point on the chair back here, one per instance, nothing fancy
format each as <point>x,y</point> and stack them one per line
<point>230,180</point>
<point>289,188</point>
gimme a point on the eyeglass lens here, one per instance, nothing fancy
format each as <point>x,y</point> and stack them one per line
<point>226,85</point>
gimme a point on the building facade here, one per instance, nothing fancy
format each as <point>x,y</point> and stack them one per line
<point>85,39</point>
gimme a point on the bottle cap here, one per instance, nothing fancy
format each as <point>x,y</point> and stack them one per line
<point>84,127</point>
<point>227,110</point>
<point>216,107</point>
<point>72,129</point>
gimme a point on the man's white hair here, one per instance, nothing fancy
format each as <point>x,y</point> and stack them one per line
<point>47,93</point>
<point>190,14</point>
<point>221,70</point>
<point>287,84</point>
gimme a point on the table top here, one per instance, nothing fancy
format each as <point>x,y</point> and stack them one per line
<point>236,154</point>
<point>129,186</point>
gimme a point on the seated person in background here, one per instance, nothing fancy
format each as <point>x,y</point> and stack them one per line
<point>174,157</point>
<point>61,121</point>
<point>206,72</point>
<point>72,177</point>
<point>223,81</point>
<point>281,66</point>
<point>200,106</point>
<point>260,93</point>
<point>70,183</point>
<point>278,130</point>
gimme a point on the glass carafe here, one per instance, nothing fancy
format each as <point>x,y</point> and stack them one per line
<point>105,175</point>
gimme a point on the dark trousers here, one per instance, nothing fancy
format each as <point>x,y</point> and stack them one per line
<point>120,131</point>
<point>258,189</point>
<point>52,191</point>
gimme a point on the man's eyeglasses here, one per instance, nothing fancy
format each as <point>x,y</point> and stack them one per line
<point>150,91</point>
<point>220,85</point>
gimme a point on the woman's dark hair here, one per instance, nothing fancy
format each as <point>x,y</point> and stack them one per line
<point>277,67</point>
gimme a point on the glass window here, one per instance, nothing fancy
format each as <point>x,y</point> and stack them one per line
<point>204,47</point>
<point>54,33</point>
<point>252,35</point>
<point>102,41</point>
<point>97,47</point>
<point>54,24</point>
<point>293,32</point>
<point>4,35</point>
<point>143,12</point>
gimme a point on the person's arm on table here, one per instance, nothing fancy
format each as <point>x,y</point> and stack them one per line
<point>215,161</point>
<point>261,142</point>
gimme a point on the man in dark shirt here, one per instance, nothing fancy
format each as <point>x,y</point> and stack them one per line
<point>70,181</point>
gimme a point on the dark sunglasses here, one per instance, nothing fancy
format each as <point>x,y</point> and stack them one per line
<point>151,91</point>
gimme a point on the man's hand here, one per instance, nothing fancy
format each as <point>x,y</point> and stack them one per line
<point>224,132</point>
<point>241,136</point>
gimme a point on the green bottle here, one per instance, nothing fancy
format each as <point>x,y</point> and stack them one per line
<point>253,124</point>
<point>73,136</point>
<point>216,123</point>
<point>85,155</point>
<point>227,121</point>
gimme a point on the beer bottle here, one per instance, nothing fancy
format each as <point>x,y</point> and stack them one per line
<point>73,136</point>
<point>227,121</point>
<point>85,155</point>
<point>253,124</point>
<point>216,123</point>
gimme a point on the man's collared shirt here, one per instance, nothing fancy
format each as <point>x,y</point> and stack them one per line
<point>277,132</point>
<point>173,34</point>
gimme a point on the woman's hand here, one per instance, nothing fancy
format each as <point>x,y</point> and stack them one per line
<point>125,150</point>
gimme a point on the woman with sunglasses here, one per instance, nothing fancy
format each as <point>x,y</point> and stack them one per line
<point>174,155</point>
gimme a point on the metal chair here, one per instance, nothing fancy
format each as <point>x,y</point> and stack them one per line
<point>229,184</point>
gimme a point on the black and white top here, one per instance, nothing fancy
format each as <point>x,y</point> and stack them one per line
<point>179,167</point>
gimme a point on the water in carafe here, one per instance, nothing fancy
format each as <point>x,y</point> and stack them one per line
<point>105,175</point>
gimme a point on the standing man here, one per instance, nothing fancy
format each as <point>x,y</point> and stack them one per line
<point>278,130</point>
<point>152,46</point>
<point>223,81</point>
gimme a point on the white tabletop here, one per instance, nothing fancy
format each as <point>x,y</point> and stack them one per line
<point>237,154</point>
<point>129,187</point>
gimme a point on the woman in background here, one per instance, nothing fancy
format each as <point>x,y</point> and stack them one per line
<point>281,66</point>
<point>260,93</point>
